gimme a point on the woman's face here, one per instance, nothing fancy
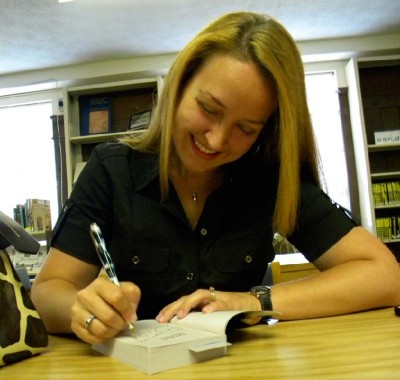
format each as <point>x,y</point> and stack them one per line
<point>222,111</point>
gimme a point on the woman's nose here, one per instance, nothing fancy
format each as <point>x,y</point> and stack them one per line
<point>218,136</point>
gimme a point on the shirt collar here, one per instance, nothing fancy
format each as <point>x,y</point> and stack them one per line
<point>144,168</point>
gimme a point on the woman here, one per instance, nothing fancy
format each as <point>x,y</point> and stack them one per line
<point>190,208</point>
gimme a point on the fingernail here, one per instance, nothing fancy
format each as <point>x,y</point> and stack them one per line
<point>132,318</point>
<point>180,314</point>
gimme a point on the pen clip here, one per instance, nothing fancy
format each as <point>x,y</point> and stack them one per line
<point>102,252</point>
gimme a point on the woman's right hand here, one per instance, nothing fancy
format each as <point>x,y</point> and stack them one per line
<point>102,310</point>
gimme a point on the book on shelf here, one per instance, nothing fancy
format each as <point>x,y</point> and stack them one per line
<point>157,347</point>
<point>19,215</point>
<point>388,228</point>
<point>386,193</point>
<point>95,114</point>
<point>38,215</point>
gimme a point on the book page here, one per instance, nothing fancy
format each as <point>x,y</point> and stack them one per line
<point>217,321</point>
<point>150,333</point>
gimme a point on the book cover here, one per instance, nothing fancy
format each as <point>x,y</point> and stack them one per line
<point>157,347</point>
<point>95,114</point>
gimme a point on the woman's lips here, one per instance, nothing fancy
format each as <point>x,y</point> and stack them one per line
<point>202,148</point>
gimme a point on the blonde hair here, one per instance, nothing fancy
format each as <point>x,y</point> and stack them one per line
<point>288,143</point>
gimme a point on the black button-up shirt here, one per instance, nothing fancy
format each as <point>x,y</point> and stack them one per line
<point>152,243</point>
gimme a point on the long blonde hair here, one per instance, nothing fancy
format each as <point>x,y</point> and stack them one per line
<point>289,143</point>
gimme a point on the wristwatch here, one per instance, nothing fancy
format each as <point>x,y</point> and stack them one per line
<point>263,293</point>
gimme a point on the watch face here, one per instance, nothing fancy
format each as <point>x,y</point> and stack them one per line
<point>260,289</point>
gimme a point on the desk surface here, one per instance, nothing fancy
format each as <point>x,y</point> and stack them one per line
<point>358,346</point>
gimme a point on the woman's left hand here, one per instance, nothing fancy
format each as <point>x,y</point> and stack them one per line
<point>208,300</point>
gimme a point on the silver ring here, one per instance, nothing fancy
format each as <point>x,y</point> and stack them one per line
<point>89,321</point>
<point>213,296</point>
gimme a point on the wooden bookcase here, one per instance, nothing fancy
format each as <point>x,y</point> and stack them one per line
<point>374,92</point>
<point>127,98</point>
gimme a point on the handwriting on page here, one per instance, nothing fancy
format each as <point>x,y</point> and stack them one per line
<point>162,333</point>
<point>150,333</point>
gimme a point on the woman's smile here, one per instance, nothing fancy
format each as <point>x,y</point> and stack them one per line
<point>202,148</point>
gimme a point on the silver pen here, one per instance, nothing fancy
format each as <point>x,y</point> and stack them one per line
<point>105,259</point>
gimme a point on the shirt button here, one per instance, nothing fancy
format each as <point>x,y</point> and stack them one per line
<point>203,231</point>
<point>136,259</point>
<point>248,259</point>
<point>189,276</point>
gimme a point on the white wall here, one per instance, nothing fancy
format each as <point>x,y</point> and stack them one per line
<point>317,55</point>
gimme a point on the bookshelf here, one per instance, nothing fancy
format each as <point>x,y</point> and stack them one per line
<point>374,96</point>
<point>126,98</point>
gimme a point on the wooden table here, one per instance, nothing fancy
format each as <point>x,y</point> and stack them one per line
<point>358,346</point>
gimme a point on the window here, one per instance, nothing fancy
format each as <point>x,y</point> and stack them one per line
<point>323,102</point>
<point>27,168</point>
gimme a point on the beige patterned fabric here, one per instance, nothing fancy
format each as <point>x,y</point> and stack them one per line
<point>22,333</point>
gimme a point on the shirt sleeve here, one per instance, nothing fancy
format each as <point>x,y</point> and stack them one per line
<point>90,201</point>
<point>321,222</point>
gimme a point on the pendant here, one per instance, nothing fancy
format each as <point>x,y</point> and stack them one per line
<point>194,195</point>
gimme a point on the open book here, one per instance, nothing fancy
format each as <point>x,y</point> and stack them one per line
<point>157,347</point>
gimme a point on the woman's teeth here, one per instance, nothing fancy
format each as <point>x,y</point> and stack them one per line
<point>203,148</point>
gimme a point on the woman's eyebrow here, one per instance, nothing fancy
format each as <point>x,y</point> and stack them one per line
<point>216,100</point>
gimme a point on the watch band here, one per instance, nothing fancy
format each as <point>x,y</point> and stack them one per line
<point>263,293</point>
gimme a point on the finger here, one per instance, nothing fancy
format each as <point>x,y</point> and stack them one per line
<point>128,309</point>
<point>87,327</point>
<point>169,311</point>
<point>182,307</point>
<point>196,300</point>
<point>103,299</point>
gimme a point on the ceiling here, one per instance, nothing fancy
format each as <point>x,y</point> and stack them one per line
<point>43,34</point>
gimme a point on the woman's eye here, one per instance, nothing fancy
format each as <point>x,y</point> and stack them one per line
<point>245,130</point>
<point>209,110</point>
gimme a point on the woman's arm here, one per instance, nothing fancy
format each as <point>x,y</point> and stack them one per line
<point>357,273</point>
<point>55,288</point>
<point>67,291</point>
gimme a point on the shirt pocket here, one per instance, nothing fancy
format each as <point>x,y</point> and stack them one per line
<point>144,262</point>
<point>139,255</point>
<point>234,257</point>
<point>242,264</point>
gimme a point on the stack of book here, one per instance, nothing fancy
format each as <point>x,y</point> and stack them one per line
<point>386,193</point>
<point>388,228</point>
<point>34,215</point>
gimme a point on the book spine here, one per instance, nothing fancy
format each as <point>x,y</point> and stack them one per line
<point>28,214</point>
<point>17,215</point>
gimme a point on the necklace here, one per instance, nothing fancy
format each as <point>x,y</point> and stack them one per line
<point>195,195</point>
